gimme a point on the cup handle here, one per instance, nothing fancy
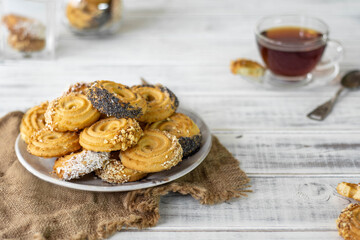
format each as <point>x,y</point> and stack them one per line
<point>334,52</point>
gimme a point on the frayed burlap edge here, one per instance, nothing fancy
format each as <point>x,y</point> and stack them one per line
<point>134,201</point>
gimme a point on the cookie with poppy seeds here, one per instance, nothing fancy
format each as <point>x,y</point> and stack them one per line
<point>117,100</point>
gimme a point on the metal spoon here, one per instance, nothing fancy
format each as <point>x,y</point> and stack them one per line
<point>351,80</point>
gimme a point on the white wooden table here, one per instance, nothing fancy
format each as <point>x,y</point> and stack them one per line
<point>294,163</point>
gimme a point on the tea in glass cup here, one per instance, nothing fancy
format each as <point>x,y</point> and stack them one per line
<point>292,46</point>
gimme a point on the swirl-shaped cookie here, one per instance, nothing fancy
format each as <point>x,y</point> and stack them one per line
<point>47,143</point>
<point>113,171</point>
<point>75,165</point>
<point>116,100</point>
<point>156,151</point>
<point>161,102</point>
<point>184,129</point>
<point>111,134</point>
<point>70,113</point>
<point>32,121</point>
<point>348,222</point>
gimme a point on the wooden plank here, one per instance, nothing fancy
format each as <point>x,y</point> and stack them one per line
<point>186,80</point>
<point>300,203</point>
<point>295,152</point>
<point>175,235</point>
<point>261,113</point>
<point>277,113</point>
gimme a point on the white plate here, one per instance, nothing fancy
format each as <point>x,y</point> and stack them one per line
<point>42,167</point>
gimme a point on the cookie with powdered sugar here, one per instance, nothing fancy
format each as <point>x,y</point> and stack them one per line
<point>76,165</point>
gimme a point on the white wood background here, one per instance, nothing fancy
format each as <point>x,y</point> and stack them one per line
<point>294,163</point>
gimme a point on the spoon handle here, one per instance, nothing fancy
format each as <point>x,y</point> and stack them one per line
<point>322,111</point>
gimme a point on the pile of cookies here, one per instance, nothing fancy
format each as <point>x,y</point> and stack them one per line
<point>118,132</point>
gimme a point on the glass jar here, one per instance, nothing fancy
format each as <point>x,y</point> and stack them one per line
<point>93,17</point>
<point>28,29</point>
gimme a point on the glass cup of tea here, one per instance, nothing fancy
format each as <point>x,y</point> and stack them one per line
<point>292,47</point>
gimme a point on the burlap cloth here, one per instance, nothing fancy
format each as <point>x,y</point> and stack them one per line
<point>31,208</point>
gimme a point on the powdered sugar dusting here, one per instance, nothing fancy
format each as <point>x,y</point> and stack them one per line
<point>33,29</point>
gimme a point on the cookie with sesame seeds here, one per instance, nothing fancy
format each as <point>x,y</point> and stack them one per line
<point>117,100</point>
<point>156,151</point>
<point>111,134</point>
<point>78,164</point>
<point>32,121</point>
<point>184,129</point>
<point>161,102</point>
<point>113,171</point>
<point>47,143</point>
<point>348,223</point>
